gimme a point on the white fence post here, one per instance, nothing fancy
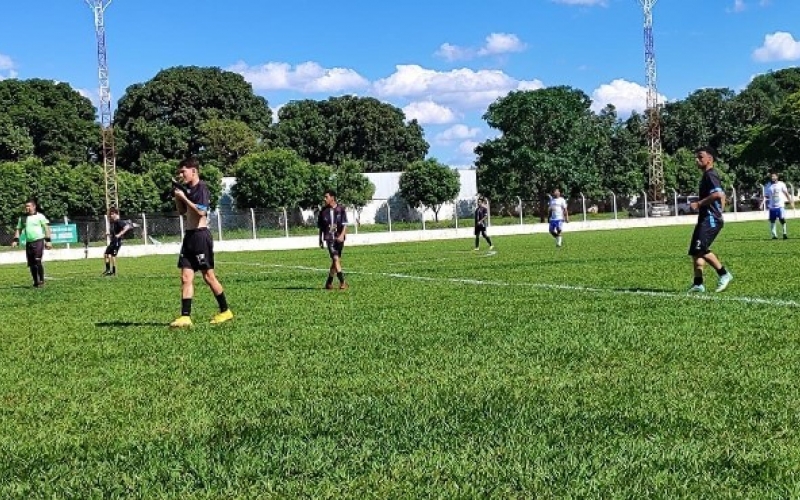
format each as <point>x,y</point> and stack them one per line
<point>66,221</point>
<point>520,209</point>
<point>108,229</point>
<point>583,205</point>
<point>614,201</point>
<point>791,193</point>
<point>422,216</point>
<point>488,213</point>
<point>219,224</point>
<point>675,197</point>
<point>389,214</point>
<point>646,215</point>
<point>144,228</point>
<point>285,222</point>
<point>180,221</point>
<point>735,203</point>
<point>253,222</point>
<point>455,211</point>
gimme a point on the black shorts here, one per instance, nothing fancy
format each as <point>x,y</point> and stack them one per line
<point>335,248</point>
<point>197,250</point>
<point>34,250</point>
<point>479,229</point>
<point>703,236</point>
<point>113,247</point>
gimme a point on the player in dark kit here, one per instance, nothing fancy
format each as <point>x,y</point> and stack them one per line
<point>197,250</point>
<point>709,223</point>
<point>118,229</point>
<point>332,224</point>
<point>481,217</point>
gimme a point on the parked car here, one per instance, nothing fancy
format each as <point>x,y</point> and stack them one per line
<point>683,205</point>
<point>654,209</point>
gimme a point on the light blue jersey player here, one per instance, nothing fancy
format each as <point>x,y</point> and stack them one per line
<point>558,215</point>
<point>775,197</point>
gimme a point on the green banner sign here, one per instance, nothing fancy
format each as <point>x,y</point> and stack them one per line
<point>64,233</point>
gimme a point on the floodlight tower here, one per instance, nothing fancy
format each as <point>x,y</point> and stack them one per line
<point>653,112</point>
<point>106,125</point>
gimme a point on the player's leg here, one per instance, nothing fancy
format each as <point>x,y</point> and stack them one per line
<point>38,256</point>
<point>782,219</point>
<point>773,216</point>
<point>107,259</point>
<point>337,262</point>
<point>696,252</point>
<point>332,269</point>
<point>30,259</point>
<point>224,314</point>
<point>487,238</point>
<point>187,263</point>
<point>477,237</point>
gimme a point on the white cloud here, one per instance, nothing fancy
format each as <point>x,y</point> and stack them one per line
<point>496,44</point>
<point>7,67</point>
<point>461,88</point>
<point>306,77</point>
<point>457,133</point>
<point>779,46</point>
<point>624,95</point>
<point>587,3</point>
<point>429,112</point>
<point>501,43</point>
<point>92,95</point>
<point>452,52</point>
<point>467,148</point>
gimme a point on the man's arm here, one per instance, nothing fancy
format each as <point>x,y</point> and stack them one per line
<point>124,230</point>
<point>788,197</point>
<point>180,205</point>
<point>47,236</point>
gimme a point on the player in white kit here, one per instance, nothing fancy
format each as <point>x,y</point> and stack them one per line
<point>775,197</point>
<point>558,215</point>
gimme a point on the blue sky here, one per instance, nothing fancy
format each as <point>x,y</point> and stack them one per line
<point>442,62</point>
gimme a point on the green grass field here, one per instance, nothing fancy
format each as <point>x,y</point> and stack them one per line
<point>534,372</point>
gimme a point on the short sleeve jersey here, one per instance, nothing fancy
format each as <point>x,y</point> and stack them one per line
<point>774,192</point>
<point>332,221</point>
<point>481,213</point>
<point>32,226</point>
<point>709,184</point>
<point>557,208</point>
<point>118,226</point>
<point>199,195</point>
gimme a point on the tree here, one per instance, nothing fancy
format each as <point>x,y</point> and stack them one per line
<point>270,179</point>
<point>15,142</point>
<point>14,186</point>
<point>317,181</point>
<point>351,128</point>
<point>223,142</point>
<point>548,138</point>
<point>53,117</point>
<point>164,116</point>
<point>353,188</point>
<point>430,184</point>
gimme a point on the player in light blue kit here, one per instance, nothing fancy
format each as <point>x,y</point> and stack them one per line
<point>775,197</point>
<point>558,215</point>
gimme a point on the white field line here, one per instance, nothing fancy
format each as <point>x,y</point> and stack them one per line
<point>550,286</point>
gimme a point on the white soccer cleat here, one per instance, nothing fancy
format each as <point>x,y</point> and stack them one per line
<point>724,280</point>
<point>697,289</point>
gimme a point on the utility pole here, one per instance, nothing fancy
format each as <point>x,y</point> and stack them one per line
<point>106,118</point>
<point>653,113</point>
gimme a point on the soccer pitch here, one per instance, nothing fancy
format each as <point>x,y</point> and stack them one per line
<point>584,371</point>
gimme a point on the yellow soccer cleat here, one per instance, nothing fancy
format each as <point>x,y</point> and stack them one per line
<point>222,317</point>
<point>181,322</point>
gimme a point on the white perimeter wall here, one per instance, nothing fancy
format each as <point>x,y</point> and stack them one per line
<point>302,242</point>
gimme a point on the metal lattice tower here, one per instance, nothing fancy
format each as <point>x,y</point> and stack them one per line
<point>653,112</point>
<point>106,118</point>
